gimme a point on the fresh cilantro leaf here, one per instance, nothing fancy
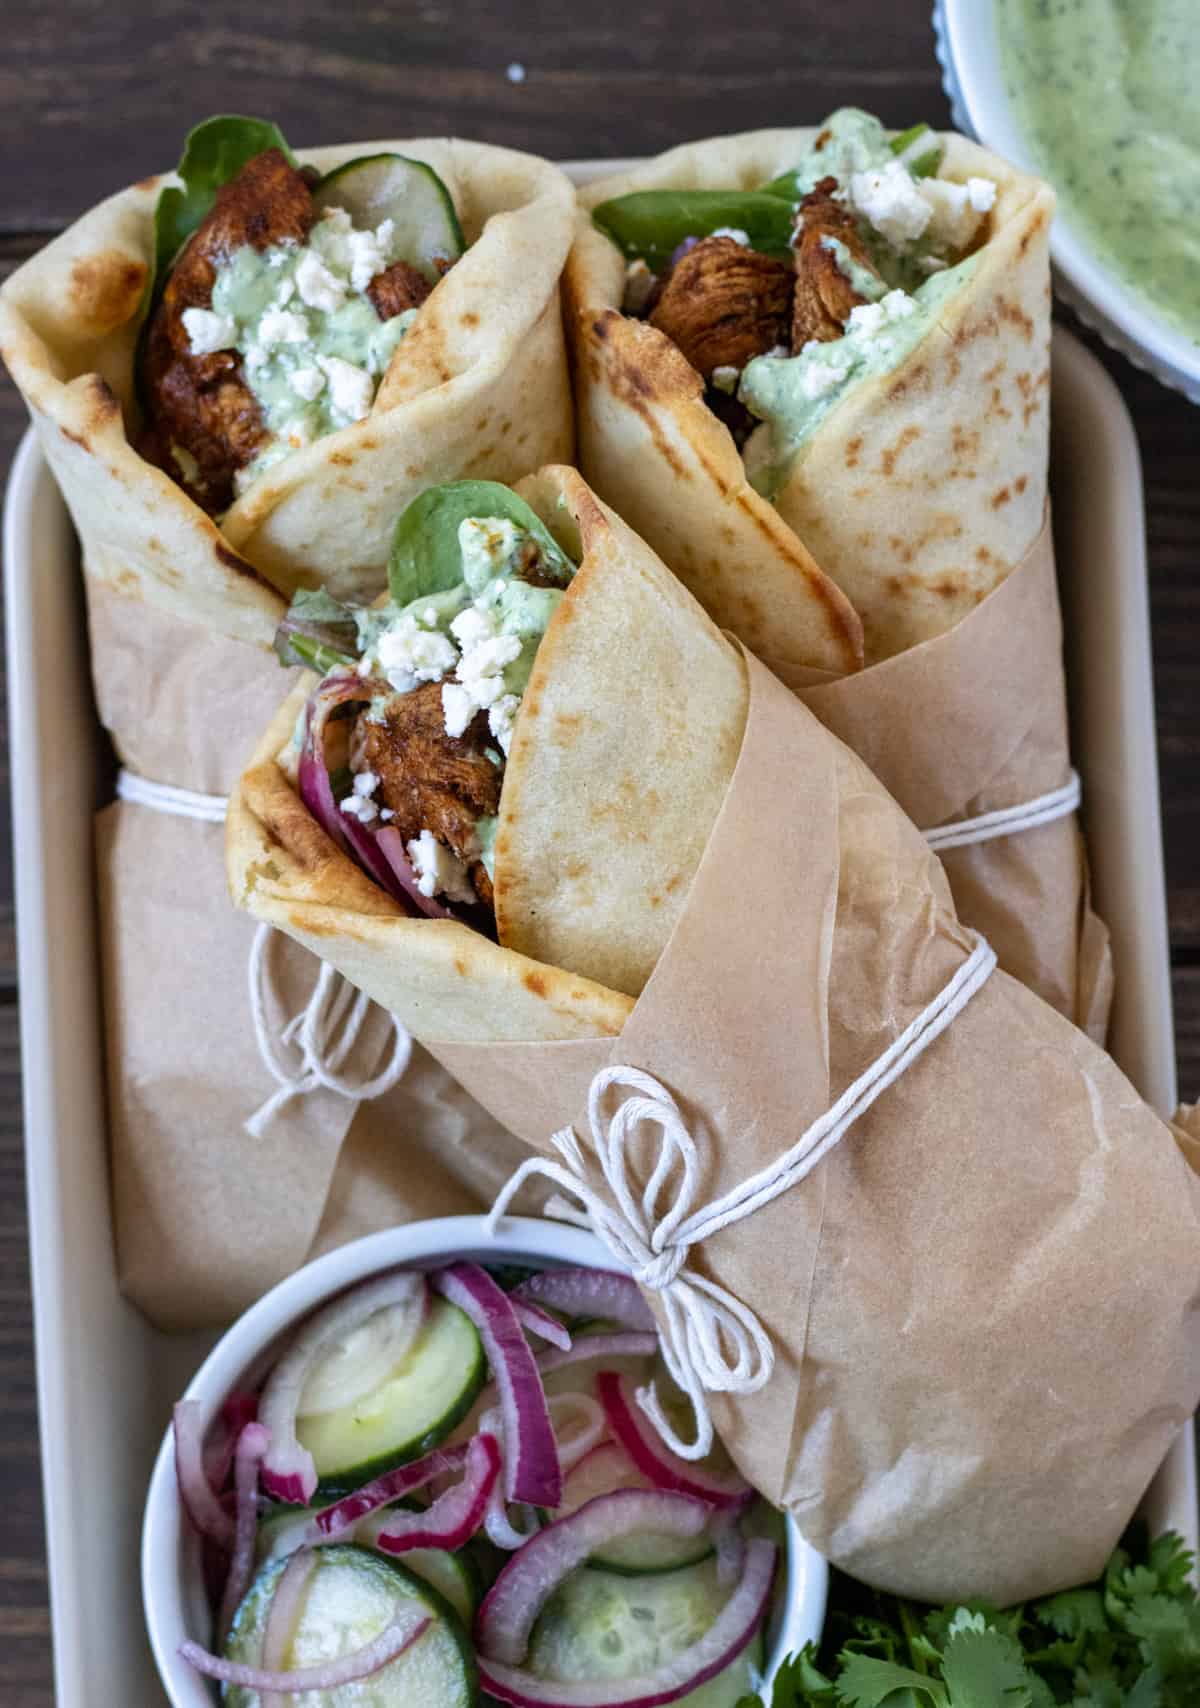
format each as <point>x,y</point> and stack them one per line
<point>984,1668</point>
<point>870,1683</point>
<point>1074,1612</point>
<point>215,152</point>
<point>798,1684</point>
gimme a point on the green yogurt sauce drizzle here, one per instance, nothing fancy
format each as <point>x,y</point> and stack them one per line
<point>1107,93</point>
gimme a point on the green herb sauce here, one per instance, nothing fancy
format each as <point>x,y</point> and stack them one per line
<point>1108,94</point>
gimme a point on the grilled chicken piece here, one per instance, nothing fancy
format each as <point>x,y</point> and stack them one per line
<point>400,288</point>
<point>724,304</point>
<point>202,403</point>
<point>824,295</point>
<point>431,780</point>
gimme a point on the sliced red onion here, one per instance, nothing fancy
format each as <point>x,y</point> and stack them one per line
<point>252,1445</point>
<point>204,1510</point>
<point>731,1548</point>
<point>531,1577</point>
<point>656,1461</point>
<point>393,1485</point>
<point>400,867</point>
<point>718,1648</point>
<point>593,1346</point>
<point>591,1427</point>
<point>541,1323</point>
<point>589,1293</point>
<point>411,1622</point>
<point>680,250</point>
<point>498,1524</point>
<point>531,1469</point>
<point>283,1613</point>
<point>316,790</point>
<point>454,1516</point>
<point>238,1410</point>
<point>288,1472</point>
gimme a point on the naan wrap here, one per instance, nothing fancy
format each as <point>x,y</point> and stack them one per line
<point>695,879</point>
<point>477,385</point>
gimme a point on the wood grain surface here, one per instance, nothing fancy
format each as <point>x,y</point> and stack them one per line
<point>93,96</point>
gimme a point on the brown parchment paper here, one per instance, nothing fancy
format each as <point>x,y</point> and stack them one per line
<point>984,1301</point>
<point>974,720</point>
<point>206,1217</point>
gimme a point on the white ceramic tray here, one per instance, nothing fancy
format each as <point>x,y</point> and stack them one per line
<point>105,1379</point>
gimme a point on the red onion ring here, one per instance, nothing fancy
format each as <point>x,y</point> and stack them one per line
<point>238,1410</point>
<point>252,1445</point>
<point>537,1321</point>
<point>454,1516</point>
<point>204,1510</point>
<point>288,1472</point>
<point>530,1578</point>
<point>411,1622</point>
<point>283,1613</point>
<point>585,1439</point>
<point>391,846</point>
<point>590,1293</point>
<point>719,1647</point>
<point>332,1520</point>
<point>656,1461</point>
<point>592,1346</point>
<point>531,1469</point>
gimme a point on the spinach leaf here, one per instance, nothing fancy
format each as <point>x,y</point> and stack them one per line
<point>653,223</point>
<point>215,151</point>
<point>425,555</point>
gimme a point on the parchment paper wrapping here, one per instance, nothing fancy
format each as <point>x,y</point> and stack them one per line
<point>984,1301</point>
<point>974,720</point>
<point>208,1218</point>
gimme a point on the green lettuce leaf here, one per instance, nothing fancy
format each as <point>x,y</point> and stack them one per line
<point>215,151</point>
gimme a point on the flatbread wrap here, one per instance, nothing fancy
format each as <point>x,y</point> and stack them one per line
<point>694,879</point>
<point>247,367</point>
<point>839,348</point>
<point>836,331</point>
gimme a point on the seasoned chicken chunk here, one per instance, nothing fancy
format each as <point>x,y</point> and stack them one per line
<point>724,304</point>
<point>201,404</point>
<point>428,779</point>
<point>824,295</point>
<point>398,289</point>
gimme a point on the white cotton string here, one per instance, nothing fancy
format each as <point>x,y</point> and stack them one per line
<point>1008,821</point>
<point>165,797</point>
<point>307,1052</point>
<point>321,1037</point>
<point>712,1342</point>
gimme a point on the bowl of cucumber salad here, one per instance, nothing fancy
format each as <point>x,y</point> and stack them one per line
<point>434,1467</point>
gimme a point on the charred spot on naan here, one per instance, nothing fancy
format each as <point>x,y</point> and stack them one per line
<point>105,290</point>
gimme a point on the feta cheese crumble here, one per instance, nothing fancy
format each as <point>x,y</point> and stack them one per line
<point>889,198</point>
<point>956,210</point>
<point>208,332</point>
<point>438,869</point>
<point>351,389</point>
<point>734,231</point>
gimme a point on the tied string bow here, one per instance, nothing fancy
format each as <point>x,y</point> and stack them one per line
<point>711,1341</point>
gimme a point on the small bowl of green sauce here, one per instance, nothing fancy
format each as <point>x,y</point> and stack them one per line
<point>1100,98</point>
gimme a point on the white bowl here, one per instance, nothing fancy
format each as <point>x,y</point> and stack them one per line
<point>969,52</point>
<point>172,1586</point>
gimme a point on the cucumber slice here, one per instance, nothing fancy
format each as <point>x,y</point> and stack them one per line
<point>601,1626</point>
<point>351,1597</point>
<point>410,1409</point>
<point>391,186</point>
<point>607,1468</point>
<point>452,1575</point>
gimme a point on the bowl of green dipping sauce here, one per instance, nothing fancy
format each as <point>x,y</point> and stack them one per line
<point>1102,99</point>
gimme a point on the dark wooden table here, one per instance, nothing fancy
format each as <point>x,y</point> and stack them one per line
<point>95,96</point>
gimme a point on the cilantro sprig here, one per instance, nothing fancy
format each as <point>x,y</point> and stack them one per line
<point>1132,1640</point>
